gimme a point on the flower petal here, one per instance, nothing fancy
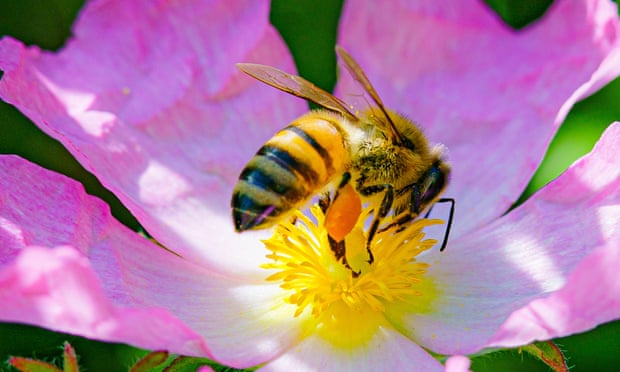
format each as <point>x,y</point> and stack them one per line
<point>147,97</point>
<point>57,289</point>
<point>387,351</point>
<point>243,323</point>
<point>484,276</point>
<point>590,297</point>
<point>458,363</point>
<point>494,96</point>
<point>126,277</point>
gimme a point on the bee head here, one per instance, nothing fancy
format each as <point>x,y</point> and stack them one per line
<point>435,179</point>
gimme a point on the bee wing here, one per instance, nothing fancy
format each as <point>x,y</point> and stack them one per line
<point>360,76</point>
<point>297,86</point>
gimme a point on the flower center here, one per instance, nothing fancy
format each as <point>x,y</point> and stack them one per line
<point>349,296</point>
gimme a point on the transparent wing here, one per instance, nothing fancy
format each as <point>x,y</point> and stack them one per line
<point>358,74</point>
<point>297,86</point>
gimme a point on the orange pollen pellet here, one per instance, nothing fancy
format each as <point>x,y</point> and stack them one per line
<point>343,213</point>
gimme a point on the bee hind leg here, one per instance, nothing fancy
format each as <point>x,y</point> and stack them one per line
<point>324,202</point>
<point>341,214</point>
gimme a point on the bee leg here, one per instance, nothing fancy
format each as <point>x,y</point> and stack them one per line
<point>346,177</point>
<point>450,217</point>
<point>400,221</point>
<point>444,243</point>
<point>415,209</point>
<point>384,209</point>
<point>428,213</point>
<point>341,214</point>
<point>415,197</point>
<point>324,202</point>
<point>339,250</point>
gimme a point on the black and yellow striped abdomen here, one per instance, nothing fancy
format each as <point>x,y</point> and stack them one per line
<point>293,166</point>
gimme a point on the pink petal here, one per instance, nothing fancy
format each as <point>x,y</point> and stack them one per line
<point>57,289</point>
<point>458,363</point>
<point>494,96</point>
<point>244,323</point>
<point>147,97</point>
<point>389,350</point>
<point>592,292</point>
<point>127,277</point>
<point>590,297</point>
<point>485,276</point>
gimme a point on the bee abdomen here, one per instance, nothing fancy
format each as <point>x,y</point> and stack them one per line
<point>265,190</point>
<point>290,168</point>
<point>285,160</point>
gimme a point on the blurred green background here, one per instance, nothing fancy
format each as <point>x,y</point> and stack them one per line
<point>48,25</point>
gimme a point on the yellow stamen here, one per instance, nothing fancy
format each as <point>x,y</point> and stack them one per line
<point>348,302</point>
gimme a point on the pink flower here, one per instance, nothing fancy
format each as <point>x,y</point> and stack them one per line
<point>146,97</point>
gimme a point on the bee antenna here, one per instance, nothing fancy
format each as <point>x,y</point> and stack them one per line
<point>397,138</point>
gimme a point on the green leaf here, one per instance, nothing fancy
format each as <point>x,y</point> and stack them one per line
<point>549,353</point>
<point>187,364</point>
<point>69,359</point>
<point>519,14</point>
<point>70,363</point>
<point>32,365</point>
<point>150,361</point>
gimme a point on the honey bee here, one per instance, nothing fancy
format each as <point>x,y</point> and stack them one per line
<point>377,154</point>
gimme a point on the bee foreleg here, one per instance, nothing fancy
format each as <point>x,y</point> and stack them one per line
<point>414,207</point>
<point>428,213</point>
<point>384,209</point>
<point>450,217</point>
